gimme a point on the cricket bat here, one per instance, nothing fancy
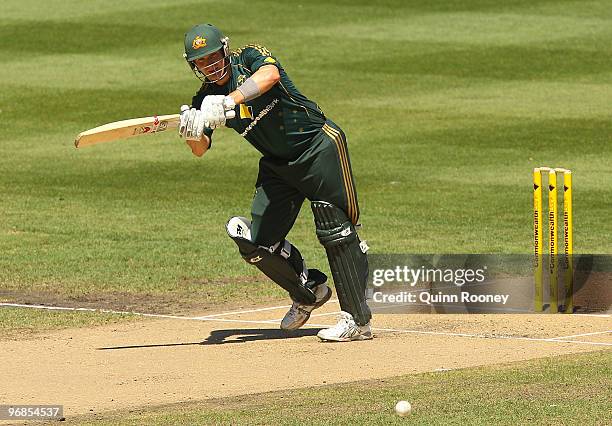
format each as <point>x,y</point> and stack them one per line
<point>127,129</point>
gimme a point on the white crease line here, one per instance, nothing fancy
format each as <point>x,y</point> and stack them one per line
<point>249,311</point>
<point>106,311</point>
<point>110,311</point>
<point>494,336</point>
<point>593,315</point>
<point>562,341</point>
<point>230,320</point>
<point>140,314</point>
<point>584,334</point>
<point>379,306</point>
<point>392,330</point>
<point>315,315</point>
<point>325,314</point>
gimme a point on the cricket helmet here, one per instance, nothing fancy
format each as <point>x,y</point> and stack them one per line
<point>202,40</point>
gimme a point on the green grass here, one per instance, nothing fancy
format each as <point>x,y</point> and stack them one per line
<point>561,390</point>
<point>19,323</point>
<point>447,106</point>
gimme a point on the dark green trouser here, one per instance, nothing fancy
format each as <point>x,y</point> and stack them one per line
<point>322,173</point>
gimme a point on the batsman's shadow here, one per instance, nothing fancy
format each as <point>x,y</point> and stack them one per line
<point>234,335</point>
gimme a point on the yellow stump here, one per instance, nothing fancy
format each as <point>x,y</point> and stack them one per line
<point>552,235</point>
<point>568,242</point>
<point>537,240</point>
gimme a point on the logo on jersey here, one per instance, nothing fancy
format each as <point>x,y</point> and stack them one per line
<point>270,60</point>
<point>261,115</point>
<point>246,111</point>
<point>241,78</point>
<point>198,42</point>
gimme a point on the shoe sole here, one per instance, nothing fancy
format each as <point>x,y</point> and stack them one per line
<point>359,337</point>
<point>316,305</point>
<point>324,300</point>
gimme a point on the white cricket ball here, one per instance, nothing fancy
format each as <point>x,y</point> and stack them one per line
<point>402,408</point>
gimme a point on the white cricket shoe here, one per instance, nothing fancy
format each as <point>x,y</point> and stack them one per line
<point>299,313</point>
<point>346,330</point>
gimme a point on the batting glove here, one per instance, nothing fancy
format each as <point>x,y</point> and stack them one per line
<point>217,109</point>
<point>191,126</point>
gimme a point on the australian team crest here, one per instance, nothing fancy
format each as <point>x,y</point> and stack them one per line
<point>198,42</point>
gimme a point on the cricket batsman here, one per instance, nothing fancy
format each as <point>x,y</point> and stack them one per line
<point>304,156</point>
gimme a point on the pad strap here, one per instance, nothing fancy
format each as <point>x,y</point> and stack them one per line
<point>282,262</point>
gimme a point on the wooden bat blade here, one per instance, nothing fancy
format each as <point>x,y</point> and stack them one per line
<point>127,129</point>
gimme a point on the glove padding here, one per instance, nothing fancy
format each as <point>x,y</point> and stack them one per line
<point>192,123</point>
<point>217,109</point>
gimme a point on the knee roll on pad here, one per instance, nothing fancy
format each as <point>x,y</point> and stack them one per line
<point>282,262</point>
<point>347,258</point>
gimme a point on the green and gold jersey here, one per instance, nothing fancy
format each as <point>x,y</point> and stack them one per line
<point>281,122</point>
